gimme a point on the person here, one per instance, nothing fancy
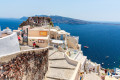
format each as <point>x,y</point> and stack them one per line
<point>34,44</point>
<point>81,76</point>
<point>105,71</point>
<point>18,38</point>
<point>103,77</point>
<point>93,69</point>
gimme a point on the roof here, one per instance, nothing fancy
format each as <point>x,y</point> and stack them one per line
<point>4,35</point>
<point>42,28</point>
<point>16,30</point>
<point>53,30</point>
<point>57,41</point>
<point>38,28</point>
<point>110,78</point>
<point>39,37</point>
<point>63,32</point>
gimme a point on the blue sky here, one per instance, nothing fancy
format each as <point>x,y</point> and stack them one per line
<point>92,10</point>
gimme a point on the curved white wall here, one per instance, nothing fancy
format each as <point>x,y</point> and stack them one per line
<point>9,44</point>
<point>70,60</point>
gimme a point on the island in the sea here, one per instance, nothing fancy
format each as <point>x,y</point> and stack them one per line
<point>67,20</point>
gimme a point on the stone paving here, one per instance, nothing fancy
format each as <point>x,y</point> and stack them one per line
<point>59,69</point>
<point>25,47</point>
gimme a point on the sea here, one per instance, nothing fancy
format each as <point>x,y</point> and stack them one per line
<point>103,40</point>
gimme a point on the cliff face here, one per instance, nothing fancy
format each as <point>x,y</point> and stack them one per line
<point>36,21</point>
<point>27,65</point>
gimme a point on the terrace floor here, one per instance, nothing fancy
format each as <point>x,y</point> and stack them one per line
<point>22,47</point>
<point>91,76</point>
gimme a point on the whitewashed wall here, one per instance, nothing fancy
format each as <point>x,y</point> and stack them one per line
<point>9,44</point>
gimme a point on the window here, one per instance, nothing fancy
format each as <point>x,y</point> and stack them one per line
<point>40,41</point>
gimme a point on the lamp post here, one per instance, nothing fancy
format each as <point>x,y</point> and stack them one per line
<point>27,36</point>
<point>49,36</point>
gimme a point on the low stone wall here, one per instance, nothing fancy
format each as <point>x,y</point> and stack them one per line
<point>70,60</point>
<point>76,74</point>
<point>25,65</point>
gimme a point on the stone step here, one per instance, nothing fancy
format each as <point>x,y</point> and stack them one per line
<point>56,55</point>
<point>59,68</point>
<point>53,78</point>
<point>60,63</point>
<point>50,54</point>
<point>60,73</point>
<point>62,68</point>
<point>58,59</point>
<point>49,79</point>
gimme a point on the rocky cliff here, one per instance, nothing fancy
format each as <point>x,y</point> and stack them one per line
<point>36,21</point>
<point>60,19</point>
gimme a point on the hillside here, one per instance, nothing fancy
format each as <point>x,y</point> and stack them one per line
<point>60,19</point>
<point>36,21</point>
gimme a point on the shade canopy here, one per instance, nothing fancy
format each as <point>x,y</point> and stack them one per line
<point>44,38</point>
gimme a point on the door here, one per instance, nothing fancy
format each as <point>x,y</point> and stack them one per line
<point>61,37</point>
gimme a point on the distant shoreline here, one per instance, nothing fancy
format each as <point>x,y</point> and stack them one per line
<point>66,20</point>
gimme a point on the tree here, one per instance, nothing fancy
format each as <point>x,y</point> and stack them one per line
<point>51,23</point>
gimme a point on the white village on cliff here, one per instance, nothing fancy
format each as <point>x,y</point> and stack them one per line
<point>38,50</point>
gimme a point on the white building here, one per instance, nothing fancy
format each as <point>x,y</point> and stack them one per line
<point>8,42</point>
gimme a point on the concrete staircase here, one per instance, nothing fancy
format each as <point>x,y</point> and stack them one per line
<point>59,68</point>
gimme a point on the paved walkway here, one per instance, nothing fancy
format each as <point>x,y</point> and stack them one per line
<point>59,69</point>
<point>22,47</point>
<point>91,76</point>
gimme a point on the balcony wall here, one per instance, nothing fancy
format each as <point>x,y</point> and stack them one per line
<point>9,44</point>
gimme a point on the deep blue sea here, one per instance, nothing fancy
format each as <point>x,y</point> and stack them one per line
<point>11,23</point>
<point>103,40</point>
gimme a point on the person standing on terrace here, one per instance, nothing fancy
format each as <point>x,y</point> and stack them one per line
<point>34,45</point>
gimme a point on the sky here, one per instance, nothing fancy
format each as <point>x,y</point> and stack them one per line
<point>90,10</point>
